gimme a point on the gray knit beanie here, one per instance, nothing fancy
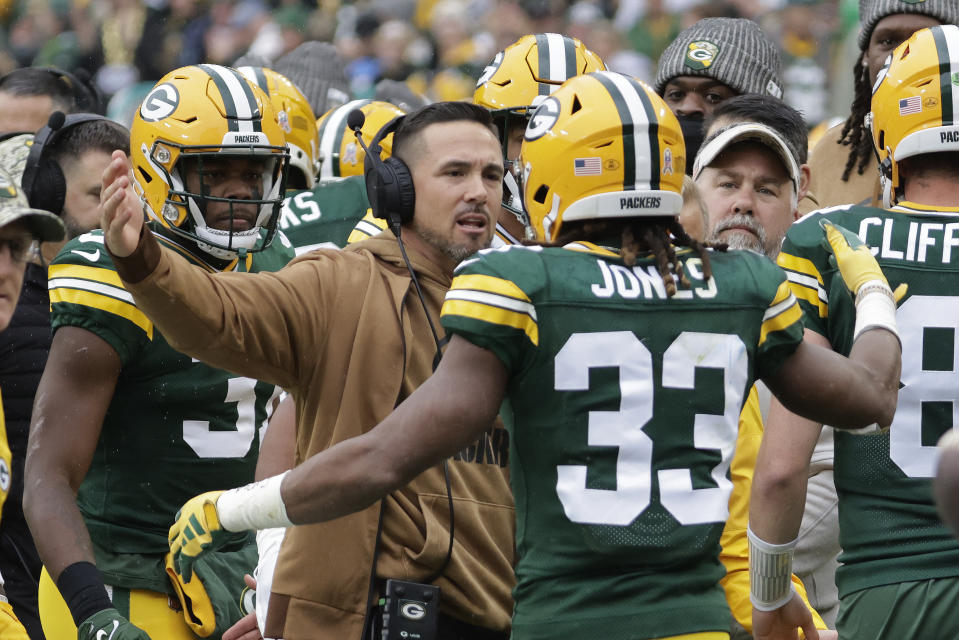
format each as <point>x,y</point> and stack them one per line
<point>317,70</point>
<point>735,51</point>
<point>872,11</point>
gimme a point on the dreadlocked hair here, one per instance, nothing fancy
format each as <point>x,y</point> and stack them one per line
<point>659,235</point>
<point>854,133</point>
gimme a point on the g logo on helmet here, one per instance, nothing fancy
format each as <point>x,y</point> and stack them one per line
<point>490,69</point>
<point>160,103</point>
<point>701,54</point>
<point>543,119</point>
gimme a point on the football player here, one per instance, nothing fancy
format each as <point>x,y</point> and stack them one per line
<point>843,162</point>
<point>899,572</point>
<point>513,84</point>
<point>626,350</point>
<point>124,426</point>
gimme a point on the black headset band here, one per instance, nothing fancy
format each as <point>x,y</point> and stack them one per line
<point>385,130</point>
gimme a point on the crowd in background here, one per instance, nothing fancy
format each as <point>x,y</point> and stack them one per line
<point>438,47</point>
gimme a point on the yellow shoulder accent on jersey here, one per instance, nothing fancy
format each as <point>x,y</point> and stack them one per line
<point>783,311</point>
<point>590,247</point>
<point>367,227</point>
<point>805,281</point>
<point>96,288</point>
<point>493,300</point>
<point>83,272</point>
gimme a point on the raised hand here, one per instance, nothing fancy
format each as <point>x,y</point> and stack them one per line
<point>121,212</point>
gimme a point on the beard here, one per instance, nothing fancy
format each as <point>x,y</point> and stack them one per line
<point>739,239</point>
<point>455,251</point>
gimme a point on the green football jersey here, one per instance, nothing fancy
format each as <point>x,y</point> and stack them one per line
<point>889,530</point>
<point>174,428</point>
<point>626,408</point>
<point>324,216</point>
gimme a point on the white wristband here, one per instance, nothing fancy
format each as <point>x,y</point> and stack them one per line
<point>875,308</point>
<point>770,572</point>
<point>258,505</point>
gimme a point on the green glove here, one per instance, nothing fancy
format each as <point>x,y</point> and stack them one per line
<point>197,528</point>
<point>108,624</point>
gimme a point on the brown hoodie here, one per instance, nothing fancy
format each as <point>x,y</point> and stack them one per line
<point>345,334</point>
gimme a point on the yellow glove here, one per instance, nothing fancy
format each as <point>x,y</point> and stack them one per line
<point>854,259</point>
<point>197,528</point>
<point>857,266</point>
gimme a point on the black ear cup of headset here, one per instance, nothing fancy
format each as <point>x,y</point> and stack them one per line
<point>389,184</point>
<point>43,181</point>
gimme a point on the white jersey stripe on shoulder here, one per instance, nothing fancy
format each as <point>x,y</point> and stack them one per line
<point>92,286</point>
<point>809,282</point>
<point>492,300</point>
<point>779,308</point>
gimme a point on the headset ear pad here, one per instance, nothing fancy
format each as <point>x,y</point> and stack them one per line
<point>389,187</point>
<point>48,190</point>
<point>43,181</point>
<point>405,199</point>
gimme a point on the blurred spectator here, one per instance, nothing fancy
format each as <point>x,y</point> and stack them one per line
<point>28,97</point>
<point>653,30</point>
<point>316,69</point>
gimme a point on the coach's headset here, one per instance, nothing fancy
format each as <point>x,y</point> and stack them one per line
<point>43,181</point>
<point>389,187</point>
<point>389,183</point>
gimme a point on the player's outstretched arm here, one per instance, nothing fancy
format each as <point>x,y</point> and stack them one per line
<point>121,214</point>
<point>445,414</point>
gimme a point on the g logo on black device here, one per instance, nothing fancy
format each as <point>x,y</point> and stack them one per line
<point>160,103</point>
<point>412,609</point>
<point>543,119</point>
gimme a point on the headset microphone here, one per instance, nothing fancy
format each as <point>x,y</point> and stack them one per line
<point>355,121</point>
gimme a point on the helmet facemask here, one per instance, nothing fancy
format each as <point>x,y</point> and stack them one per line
<point>238,221</point>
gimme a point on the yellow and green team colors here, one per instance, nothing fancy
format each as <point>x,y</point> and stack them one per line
<point>617,492</point>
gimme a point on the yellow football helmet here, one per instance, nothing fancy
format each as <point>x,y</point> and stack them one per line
<point>340,153</point>
<point>522,75</point>
<point>202,112</point>
<point>604,145</point>
<point>296,118</point>
<point>519,78</point>
<point>915,103</point>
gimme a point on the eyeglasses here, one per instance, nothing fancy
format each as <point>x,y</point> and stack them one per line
<point>18,246</point>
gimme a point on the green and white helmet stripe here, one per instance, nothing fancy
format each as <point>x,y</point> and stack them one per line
<point>641,151</point>
<point>242,110</point>
<point>557,60</point>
